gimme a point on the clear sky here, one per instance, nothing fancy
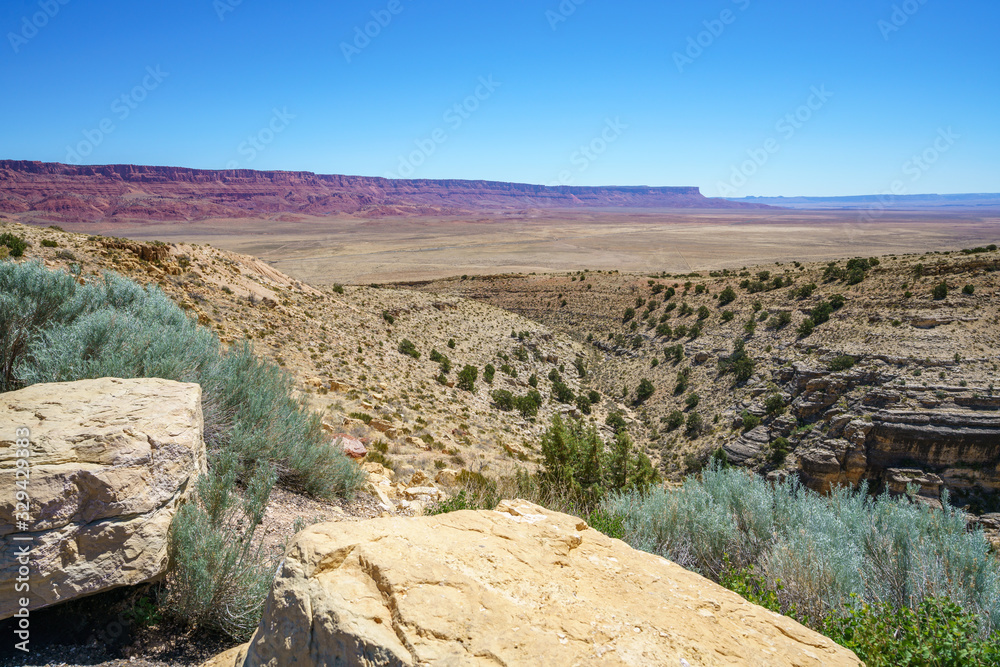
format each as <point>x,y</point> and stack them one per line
<point>739,97</point>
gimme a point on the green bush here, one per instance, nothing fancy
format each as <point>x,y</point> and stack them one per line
<point>644,391</point>
<point>842,363</point>
<point>49,243</point>
<point>703,313</point>
<point>693,425</point>
<point>940,291</point>
<point>750,421</point>
<point>14,244</point>
<point>489,372</point>
<point>407,347</point>
<point>969,289</point>
<point>503,399</point>
<point>806,328</point>
<point>774,404</point>
<point>562,393</point>
<point>692,400</point>
<point>467,378</point>
<point>727,296</point>
<point>674,420</point>
<point>738,363</point>
<point>937,632</point>
<point>528,404</point>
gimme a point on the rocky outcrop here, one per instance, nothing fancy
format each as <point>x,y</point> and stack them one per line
<point>111,460</point>
<point>892,435</point>
<point>517,586</point>
<point>101,192</point>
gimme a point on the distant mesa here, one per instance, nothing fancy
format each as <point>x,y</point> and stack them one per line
<point>67,193</point>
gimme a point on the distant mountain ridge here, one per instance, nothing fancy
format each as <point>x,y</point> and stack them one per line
<point>135,192</point>
<point>864,202</point>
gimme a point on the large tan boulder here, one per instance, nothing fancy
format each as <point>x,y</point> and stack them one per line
<point>111,460</point>
<point>517,586</point>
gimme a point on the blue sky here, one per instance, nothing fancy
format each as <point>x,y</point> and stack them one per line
<point>739,97</point>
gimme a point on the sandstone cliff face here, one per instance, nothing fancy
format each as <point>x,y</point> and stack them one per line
<point>869,427</point>
<point>111,460</point>
<point>517,586</point>
<point>93,193</point>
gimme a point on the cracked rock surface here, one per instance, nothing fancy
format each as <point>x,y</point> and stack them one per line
<point>110,463</point>
<point>517,586</point>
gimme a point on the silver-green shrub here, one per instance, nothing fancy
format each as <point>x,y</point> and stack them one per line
<point>820,554</point>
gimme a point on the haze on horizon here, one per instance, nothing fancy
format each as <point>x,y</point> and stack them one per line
<point>738,97</point>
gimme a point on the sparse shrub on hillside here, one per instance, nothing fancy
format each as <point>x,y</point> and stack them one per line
<point>692,401</point>
<point>780,320</point>
<point>442,359</point>
<point>562,393</point>
<point>583,404</point>
<point>940,291</point>
<point>528,404</point>
<point>750,327</point>
<point>49,243</point>
<point>533,380</point>
<point>693,425</point>
<point>969,289</point>
<point>338,288</point>
<point>806,328</point>
<point>467,378</point>
<point>664,331</point>
<point>503,399</point>
<point>727,296</point>
<point>842,363</point>
<point>15,244</point>
<point>616,422</point>
<point>674,420</point>
<point>451,343</point>
<point>738,363</point>
<point>629,314</point>
<point>728,316</point>
<point>778,451</point>
<point>489,371</point>
<point>703,312</point>
<point>774,404</point>
<point>675,352</point>
<point>407,347</point>
<point>388,317</point>
<point>750,421</point>
<point>644,391</point>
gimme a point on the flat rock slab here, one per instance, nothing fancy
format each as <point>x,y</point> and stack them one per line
<point>111,460</point>
<point>517,586</point>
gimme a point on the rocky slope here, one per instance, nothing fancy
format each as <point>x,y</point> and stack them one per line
<point>58,192</point>
<point>898,385</point>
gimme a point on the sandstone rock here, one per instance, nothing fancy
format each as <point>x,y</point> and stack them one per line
<point>517,586</point>
<point>111,461</point>
<point>314,382</point>
<point>898,479</point>
<point>353,447</point>
<point>423,493</point>
<point>419,478</point>
<point>447,478</point>
<point>748,445</point>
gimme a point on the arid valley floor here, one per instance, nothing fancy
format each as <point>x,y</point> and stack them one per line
<point>354,250</point>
